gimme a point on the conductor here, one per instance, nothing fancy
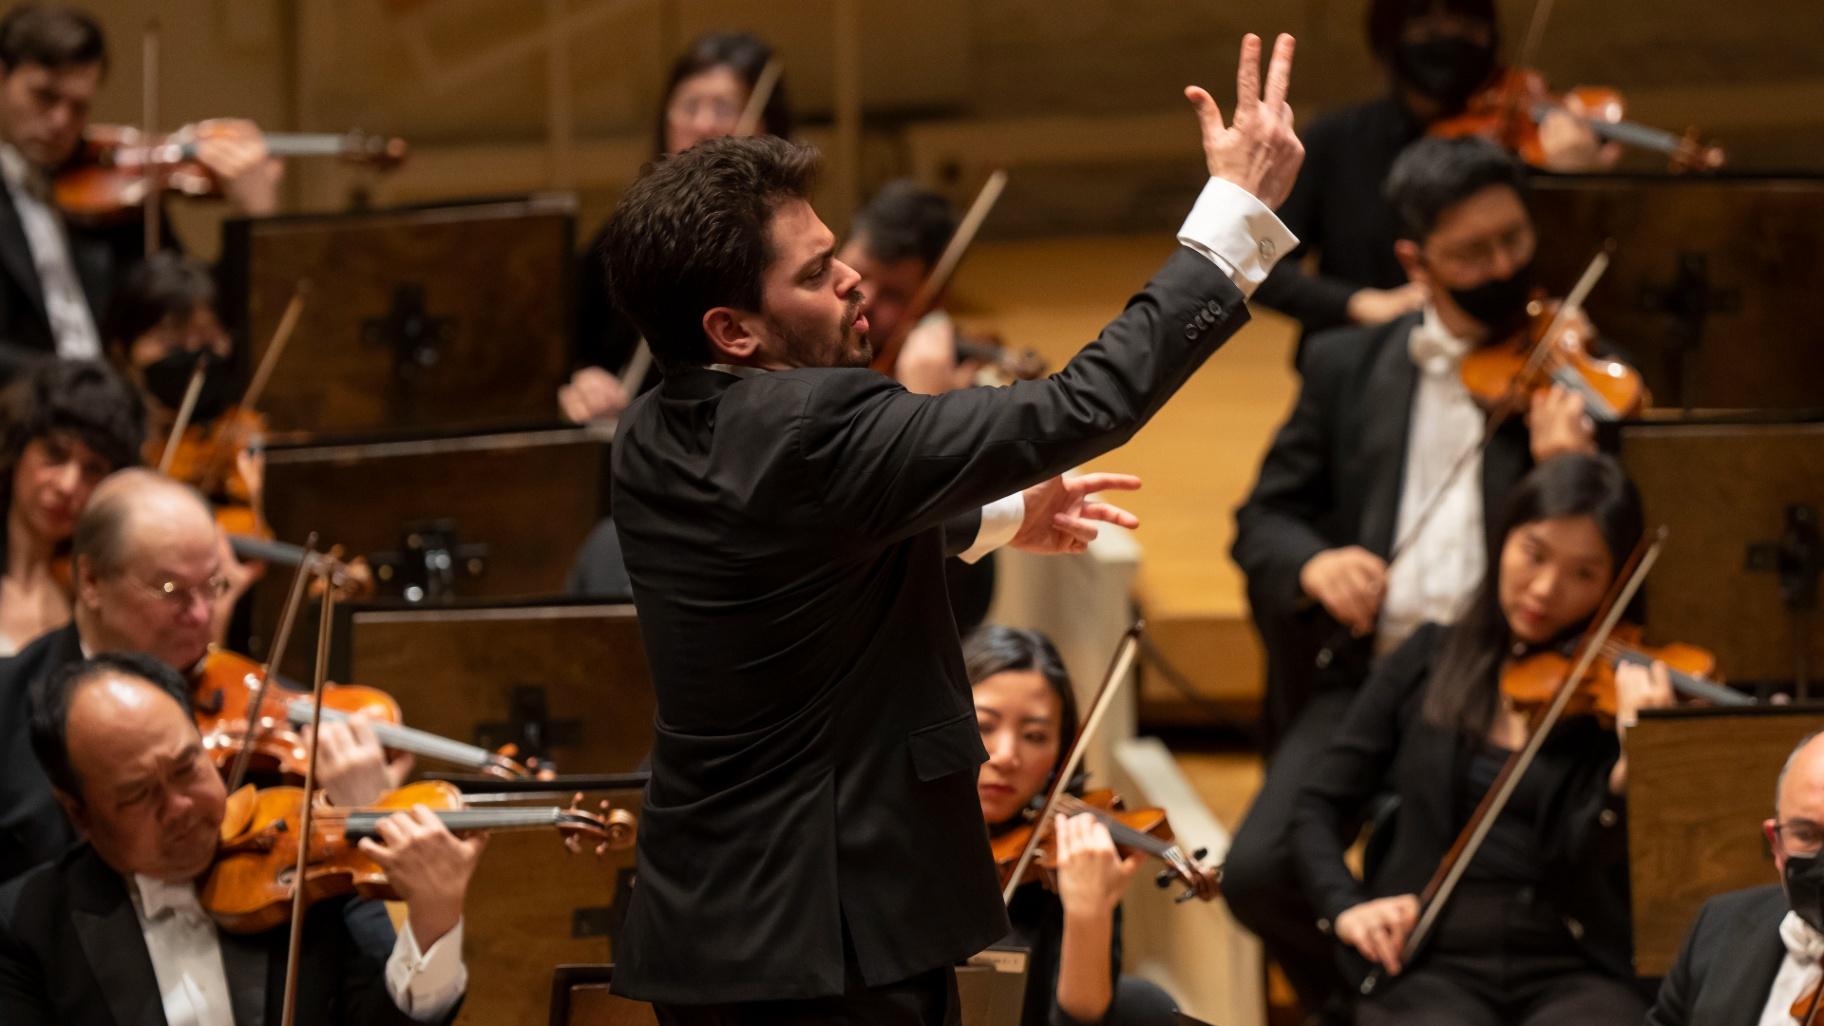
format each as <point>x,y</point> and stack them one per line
<point>811,847</point>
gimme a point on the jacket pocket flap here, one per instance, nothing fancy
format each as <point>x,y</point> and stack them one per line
<point>949,747</point>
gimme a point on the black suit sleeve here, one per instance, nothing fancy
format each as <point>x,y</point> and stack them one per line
<point>1679,988</point>
<point>960,532</point>
<point>22,980</point>
<point>1275,532</point>
<point>1334,802</point>
<point>888,464</point>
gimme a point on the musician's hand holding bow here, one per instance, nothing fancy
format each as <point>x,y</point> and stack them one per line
<point>1257,150</point>
<point>1379,928</point>
<point>1062,513</point>
<point>428,866</point>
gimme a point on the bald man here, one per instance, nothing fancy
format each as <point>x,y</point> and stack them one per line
<point>1751,953</point>
<point>114,932</point>
<point>151,571</point>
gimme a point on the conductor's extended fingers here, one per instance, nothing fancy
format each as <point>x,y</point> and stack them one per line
<point>1208,113</point>
<point>1247,77</point>
<point>1279,73</point>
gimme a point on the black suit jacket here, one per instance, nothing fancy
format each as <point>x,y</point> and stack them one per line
<point>1333,478</point>
<point>71,954</point>
<point>816,748</point>
<point>101,256</point>
<point>33,828</point>
<point>1727,964</point>
<point>1384,743</point>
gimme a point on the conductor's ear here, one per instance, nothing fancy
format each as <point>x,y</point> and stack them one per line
<point>731,334</point>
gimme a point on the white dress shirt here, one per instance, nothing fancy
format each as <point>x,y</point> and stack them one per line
<point>1237,231</point>
<point>1798,971</point>
<point>1444,562</point>
<point>186,958</point>
<point>72,323</point>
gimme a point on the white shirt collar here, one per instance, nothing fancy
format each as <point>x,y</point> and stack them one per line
<point>157,898</point>
<point>1802,942</point>
<point>737,370</point>
<point>1432,346</point>
<point>20,175</point>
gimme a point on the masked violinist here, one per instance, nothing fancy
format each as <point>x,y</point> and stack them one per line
<point>1751,954</point>
<point>114,932</point>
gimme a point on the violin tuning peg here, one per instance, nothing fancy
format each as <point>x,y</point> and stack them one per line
<point>571,844</point>
<point>1164,879</point>
<point>1200,854</point>
<point>1189,893</point>
<point>601,849</point>
<point>576,800</point>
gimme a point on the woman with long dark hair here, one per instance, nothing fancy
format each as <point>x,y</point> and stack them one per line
<point>1538,929</point>
<point>64,425</point>
<point>705,94</point>
<point>1027,714</point>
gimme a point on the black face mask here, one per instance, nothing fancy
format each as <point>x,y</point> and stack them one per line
<point>1804,880</point>
<point>1445,69</point>
<point>1499,305</point>
<point>169,378</point>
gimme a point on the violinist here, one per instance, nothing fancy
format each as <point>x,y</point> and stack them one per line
<point>705,94</point>
<point>1753,956</point>
<point>114,932</point>
<point>151,576</point>
<point>1436,54</point>
<point>1027,712</point>
<point>1367,460</point>
<point>1538,930</point>
<point>64,425</point>
<point>58,276</point>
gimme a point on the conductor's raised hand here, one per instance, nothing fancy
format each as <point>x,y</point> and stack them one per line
<point>1062,514</point>
<point>1257,149</point>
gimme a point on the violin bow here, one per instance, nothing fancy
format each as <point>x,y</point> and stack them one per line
<point>290,1006</point>
<point>1118,668</point>
<point>256,387</point>
<point>1456,861</point>
<point>149,119</point>
<point>185,410</point>
<point>307,566</point>
<point>634,371</point>
<point>945,268</point>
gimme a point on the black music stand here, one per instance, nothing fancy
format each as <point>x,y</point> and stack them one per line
<point>1709,288</point>
<point>1739,574</point>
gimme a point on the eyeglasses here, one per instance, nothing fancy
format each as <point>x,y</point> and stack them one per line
<point>1798,837</point>
<point>182,595</point>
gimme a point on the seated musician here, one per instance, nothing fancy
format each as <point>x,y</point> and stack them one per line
<point>894,243</point>
<point>1380,422</point>
<point>1752,956</point>
<point>1027,713</point>
<point>1435,54</point>
<point>59,275</point>
<point>148,567</point>
<point>115,932</point>
<point>64,425</point>
<point>705,95</point>
<point>1538,929</point>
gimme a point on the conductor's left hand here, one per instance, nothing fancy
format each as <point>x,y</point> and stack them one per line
<point>1062,514</point>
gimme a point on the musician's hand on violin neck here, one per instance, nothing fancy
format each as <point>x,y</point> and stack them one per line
<point>1570,145</point>
<point>1349,582</point>
<point>351,767</point>
<point>1556,424</point>
<point>428,866</point>
<point>234,150</point>
<point>1378,306</point>
<point>1257,149</point>
<point>1379,928</point>
<point>1062,513</point>
<point>1092,876</point>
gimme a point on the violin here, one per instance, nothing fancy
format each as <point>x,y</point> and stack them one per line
<point>1133,830</point>
<point>1001,364</point>
<point>109,176</point>
<point>1510,110</point>
<point>1532,682</point>
<point>204,455</point>
<point>1502,375</point>
<point>249,889</point>
<point>223,692</point>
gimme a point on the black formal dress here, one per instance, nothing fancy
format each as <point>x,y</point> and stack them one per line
<point>1726,967</point>
<point>1038,926</point>
<point>812,822</point>
<point>1337,209</point>
<point>72,954</point>
<point>33,828</point>
<point>1539,931</point>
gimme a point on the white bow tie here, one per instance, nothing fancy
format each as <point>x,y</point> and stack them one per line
<point>1803,943</point>
<point>1436,352</point>
<point>158,899</point>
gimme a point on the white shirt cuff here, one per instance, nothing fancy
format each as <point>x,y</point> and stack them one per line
<point>1000,522</point>
<point>426,985</point>
<point>1229,226</point>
